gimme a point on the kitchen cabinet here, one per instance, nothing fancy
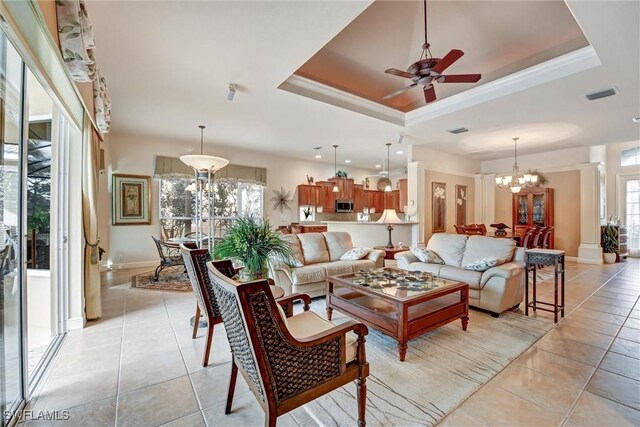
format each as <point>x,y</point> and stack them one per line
<point>327,197</point>
<point>403,194</point>
<point>358,198</point>
<point>346,187</point>
<point>533,207</point>
<point>374,199</point>
<point>308,195</point>
<point>392,199</point>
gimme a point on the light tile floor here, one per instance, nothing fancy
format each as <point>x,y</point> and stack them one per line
<point>138,366</point>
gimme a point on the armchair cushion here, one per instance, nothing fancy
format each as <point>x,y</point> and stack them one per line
<point>338,243</point>
<point>375,255</point>
<point>338,267</point>
<point>450,247</point>
<point>307,324</point>
<point>363,264</point>
<point>314,248</point>
<point>355,254</point>
<point>472,278</point>
<point>308,274</point>
<point>479,247</point>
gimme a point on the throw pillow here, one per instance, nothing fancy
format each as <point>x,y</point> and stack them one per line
<point>354,254</point>
<point>483,264</point>
<point>426,255</point>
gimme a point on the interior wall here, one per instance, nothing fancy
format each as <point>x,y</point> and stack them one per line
<point>566,202</point>
<point>442,161</point>
<point>613,169</point>
<point>131,154</point>
<point>451,181</point>
<point>540,161</point>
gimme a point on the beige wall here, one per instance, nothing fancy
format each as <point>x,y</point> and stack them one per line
<point>566,187</point>
<point>451,180</point>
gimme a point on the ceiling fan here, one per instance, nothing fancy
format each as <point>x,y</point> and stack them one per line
<point>428,70</point>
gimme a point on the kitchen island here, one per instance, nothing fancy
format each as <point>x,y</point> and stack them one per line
<point>370,234</point>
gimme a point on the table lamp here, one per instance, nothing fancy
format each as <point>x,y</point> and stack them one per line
<point>389,217</point>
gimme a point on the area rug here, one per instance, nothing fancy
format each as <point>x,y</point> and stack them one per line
<point>442,369</point>
<point>171,279</point>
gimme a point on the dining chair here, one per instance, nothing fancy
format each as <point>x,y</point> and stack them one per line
<point>169,256</point>
<point>287,361</point>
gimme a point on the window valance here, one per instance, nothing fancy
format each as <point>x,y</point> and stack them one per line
<point>173,166</point>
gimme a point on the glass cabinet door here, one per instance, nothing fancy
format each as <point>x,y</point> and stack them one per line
<point>538,209</point>
<point>523,210</point>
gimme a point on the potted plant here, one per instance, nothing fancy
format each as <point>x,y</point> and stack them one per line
<point>609,243</point>
<point>251,240</point>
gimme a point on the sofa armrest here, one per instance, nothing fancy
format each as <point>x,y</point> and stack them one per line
<point>376,255</point>
<point>281,275</point>
<point>405,258</point>
<point>506,271</point>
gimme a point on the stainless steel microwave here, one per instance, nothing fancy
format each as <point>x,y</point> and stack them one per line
<point>344,206</point>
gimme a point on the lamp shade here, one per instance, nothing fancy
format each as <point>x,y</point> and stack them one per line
<point>389,216</point>
<point>204,162</point>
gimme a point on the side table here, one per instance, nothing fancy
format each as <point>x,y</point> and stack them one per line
<point>534,258</point>
<point>389,253</point>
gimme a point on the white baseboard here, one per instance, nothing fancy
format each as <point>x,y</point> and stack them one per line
<point>589,261</point>
<point>141,264</point>
<point>571,258</point>
<point>76,323</point>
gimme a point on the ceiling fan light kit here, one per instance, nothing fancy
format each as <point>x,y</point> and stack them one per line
<point>516,182</point>
<point>428,70</point>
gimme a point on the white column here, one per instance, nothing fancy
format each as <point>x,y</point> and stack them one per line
<point>416,197</point>
<point>478,200</point>
<point>485,203</point>
<point>589,251</point>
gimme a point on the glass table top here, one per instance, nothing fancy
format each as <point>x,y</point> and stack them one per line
<point>399,284</point>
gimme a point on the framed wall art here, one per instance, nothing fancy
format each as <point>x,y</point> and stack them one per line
<point>461,204</point>
<point>131,199</point>
<point>439,203</point>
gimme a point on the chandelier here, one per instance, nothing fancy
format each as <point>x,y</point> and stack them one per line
<point>516,182</point>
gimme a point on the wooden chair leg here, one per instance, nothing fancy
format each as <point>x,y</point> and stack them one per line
<point>196,322</point>
<point>361,385</point>
<point>207,346</point>
<point>270,419</point>
<point>232,387</point>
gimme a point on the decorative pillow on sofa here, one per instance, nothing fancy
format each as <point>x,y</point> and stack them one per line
<point>355,254</point>
<point>426,255</point>
<point>483,264</point>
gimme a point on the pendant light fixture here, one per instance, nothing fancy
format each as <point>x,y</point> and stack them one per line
<point>335,168</point>
<point>515,182</point>
<point>202,162</point>
<point>388,187</point>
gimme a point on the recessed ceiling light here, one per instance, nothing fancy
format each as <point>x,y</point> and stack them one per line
<point>347,161</point>
<point>458,130</point>
<point>317,148</point>
<point>399,152</point>
<point>318,156</point>
<point>636,120</point>
<point>378,166</point>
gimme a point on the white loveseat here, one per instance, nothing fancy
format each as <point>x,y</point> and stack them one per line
<point>318,255</point>
<point>496,289</point>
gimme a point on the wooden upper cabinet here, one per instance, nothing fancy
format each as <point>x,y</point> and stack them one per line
<point>391,199</point>
<point>374,199</point>
<point>308,195</point>
<point>327,197</point>
<point>404,194</point>
<point>346,187</point>
<point>358,197</point>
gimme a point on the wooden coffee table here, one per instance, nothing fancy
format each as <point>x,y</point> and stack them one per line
<point>402,311</point>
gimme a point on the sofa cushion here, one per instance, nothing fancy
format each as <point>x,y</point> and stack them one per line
<point>308,323</point>
<point>308,274</point>
<point>426,255</point>
<point>363,265</point>
<point>338,243</point>
<point>337,267</point>
<point>479,247</point>
<point>355,254</point>
<point>297,257</point>
<point>472,278</point>
<point>314,248</point>
<point>450,247</point>
<point>423,266</point>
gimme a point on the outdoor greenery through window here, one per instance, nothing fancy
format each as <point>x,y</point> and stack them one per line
<point>232,198</point>
<point>630,157</point>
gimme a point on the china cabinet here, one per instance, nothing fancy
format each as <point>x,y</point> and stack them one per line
<point>533,207</point>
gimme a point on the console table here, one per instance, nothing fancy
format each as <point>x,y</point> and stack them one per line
<point>541,257</point>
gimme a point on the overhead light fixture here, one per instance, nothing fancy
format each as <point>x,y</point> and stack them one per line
<point>201,162</point>
<point>602,94</point>
<point>458,130</point>
<point>347,161</point>
<point>232,91</point>
<point>388,187</point>
<point>515,182</point>
<point>318,156</point>
<point>335,168</point>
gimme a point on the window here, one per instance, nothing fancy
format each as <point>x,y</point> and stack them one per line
<point>632,220</point>
<point>232,198</point>
<point>630,157</point>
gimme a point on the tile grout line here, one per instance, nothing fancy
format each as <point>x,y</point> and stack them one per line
<point>124,325</point>
<point>570,411</point>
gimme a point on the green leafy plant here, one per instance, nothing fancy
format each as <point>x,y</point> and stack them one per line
<point>610,239</point>
<point>252,240</point>
<point>341,174</point>
<point>38,220</point>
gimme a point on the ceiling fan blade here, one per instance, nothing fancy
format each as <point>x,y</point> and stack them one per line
<point>460,78</point>
<point>449,58</point>
<point>399,91</point>
<point>429,94</point>
<point>399,73</point>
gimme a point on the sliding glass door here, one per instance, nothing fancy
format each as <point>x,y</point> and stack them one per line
<point>12,382</point>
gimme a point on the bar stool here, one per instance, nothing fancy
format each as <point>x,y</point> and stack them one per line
<point>541,257</point>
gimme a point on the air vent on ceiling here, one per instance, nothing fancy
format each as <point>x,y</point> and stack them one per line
<point>601,94</point>
<point>457,131</point>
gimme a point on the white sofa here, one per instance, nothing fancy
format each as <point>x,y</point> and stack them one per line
<point>496,289</point>
<point>320,253</point>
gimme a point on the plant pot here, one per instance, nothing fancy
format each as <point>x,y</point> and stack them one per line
<point>609,258</point>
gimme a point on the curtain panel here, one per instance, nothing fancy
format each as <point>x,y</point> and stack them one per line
<point>90,171</point>
<point>173,166</point>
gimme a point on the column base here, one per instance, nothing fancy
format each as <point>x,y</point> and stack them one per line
<point>588,253</point>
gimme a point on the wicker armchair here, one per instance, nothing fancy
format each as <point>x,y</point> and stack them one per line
<point>169,256</point>
<point>287,361</point>
<point>195,260</point>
